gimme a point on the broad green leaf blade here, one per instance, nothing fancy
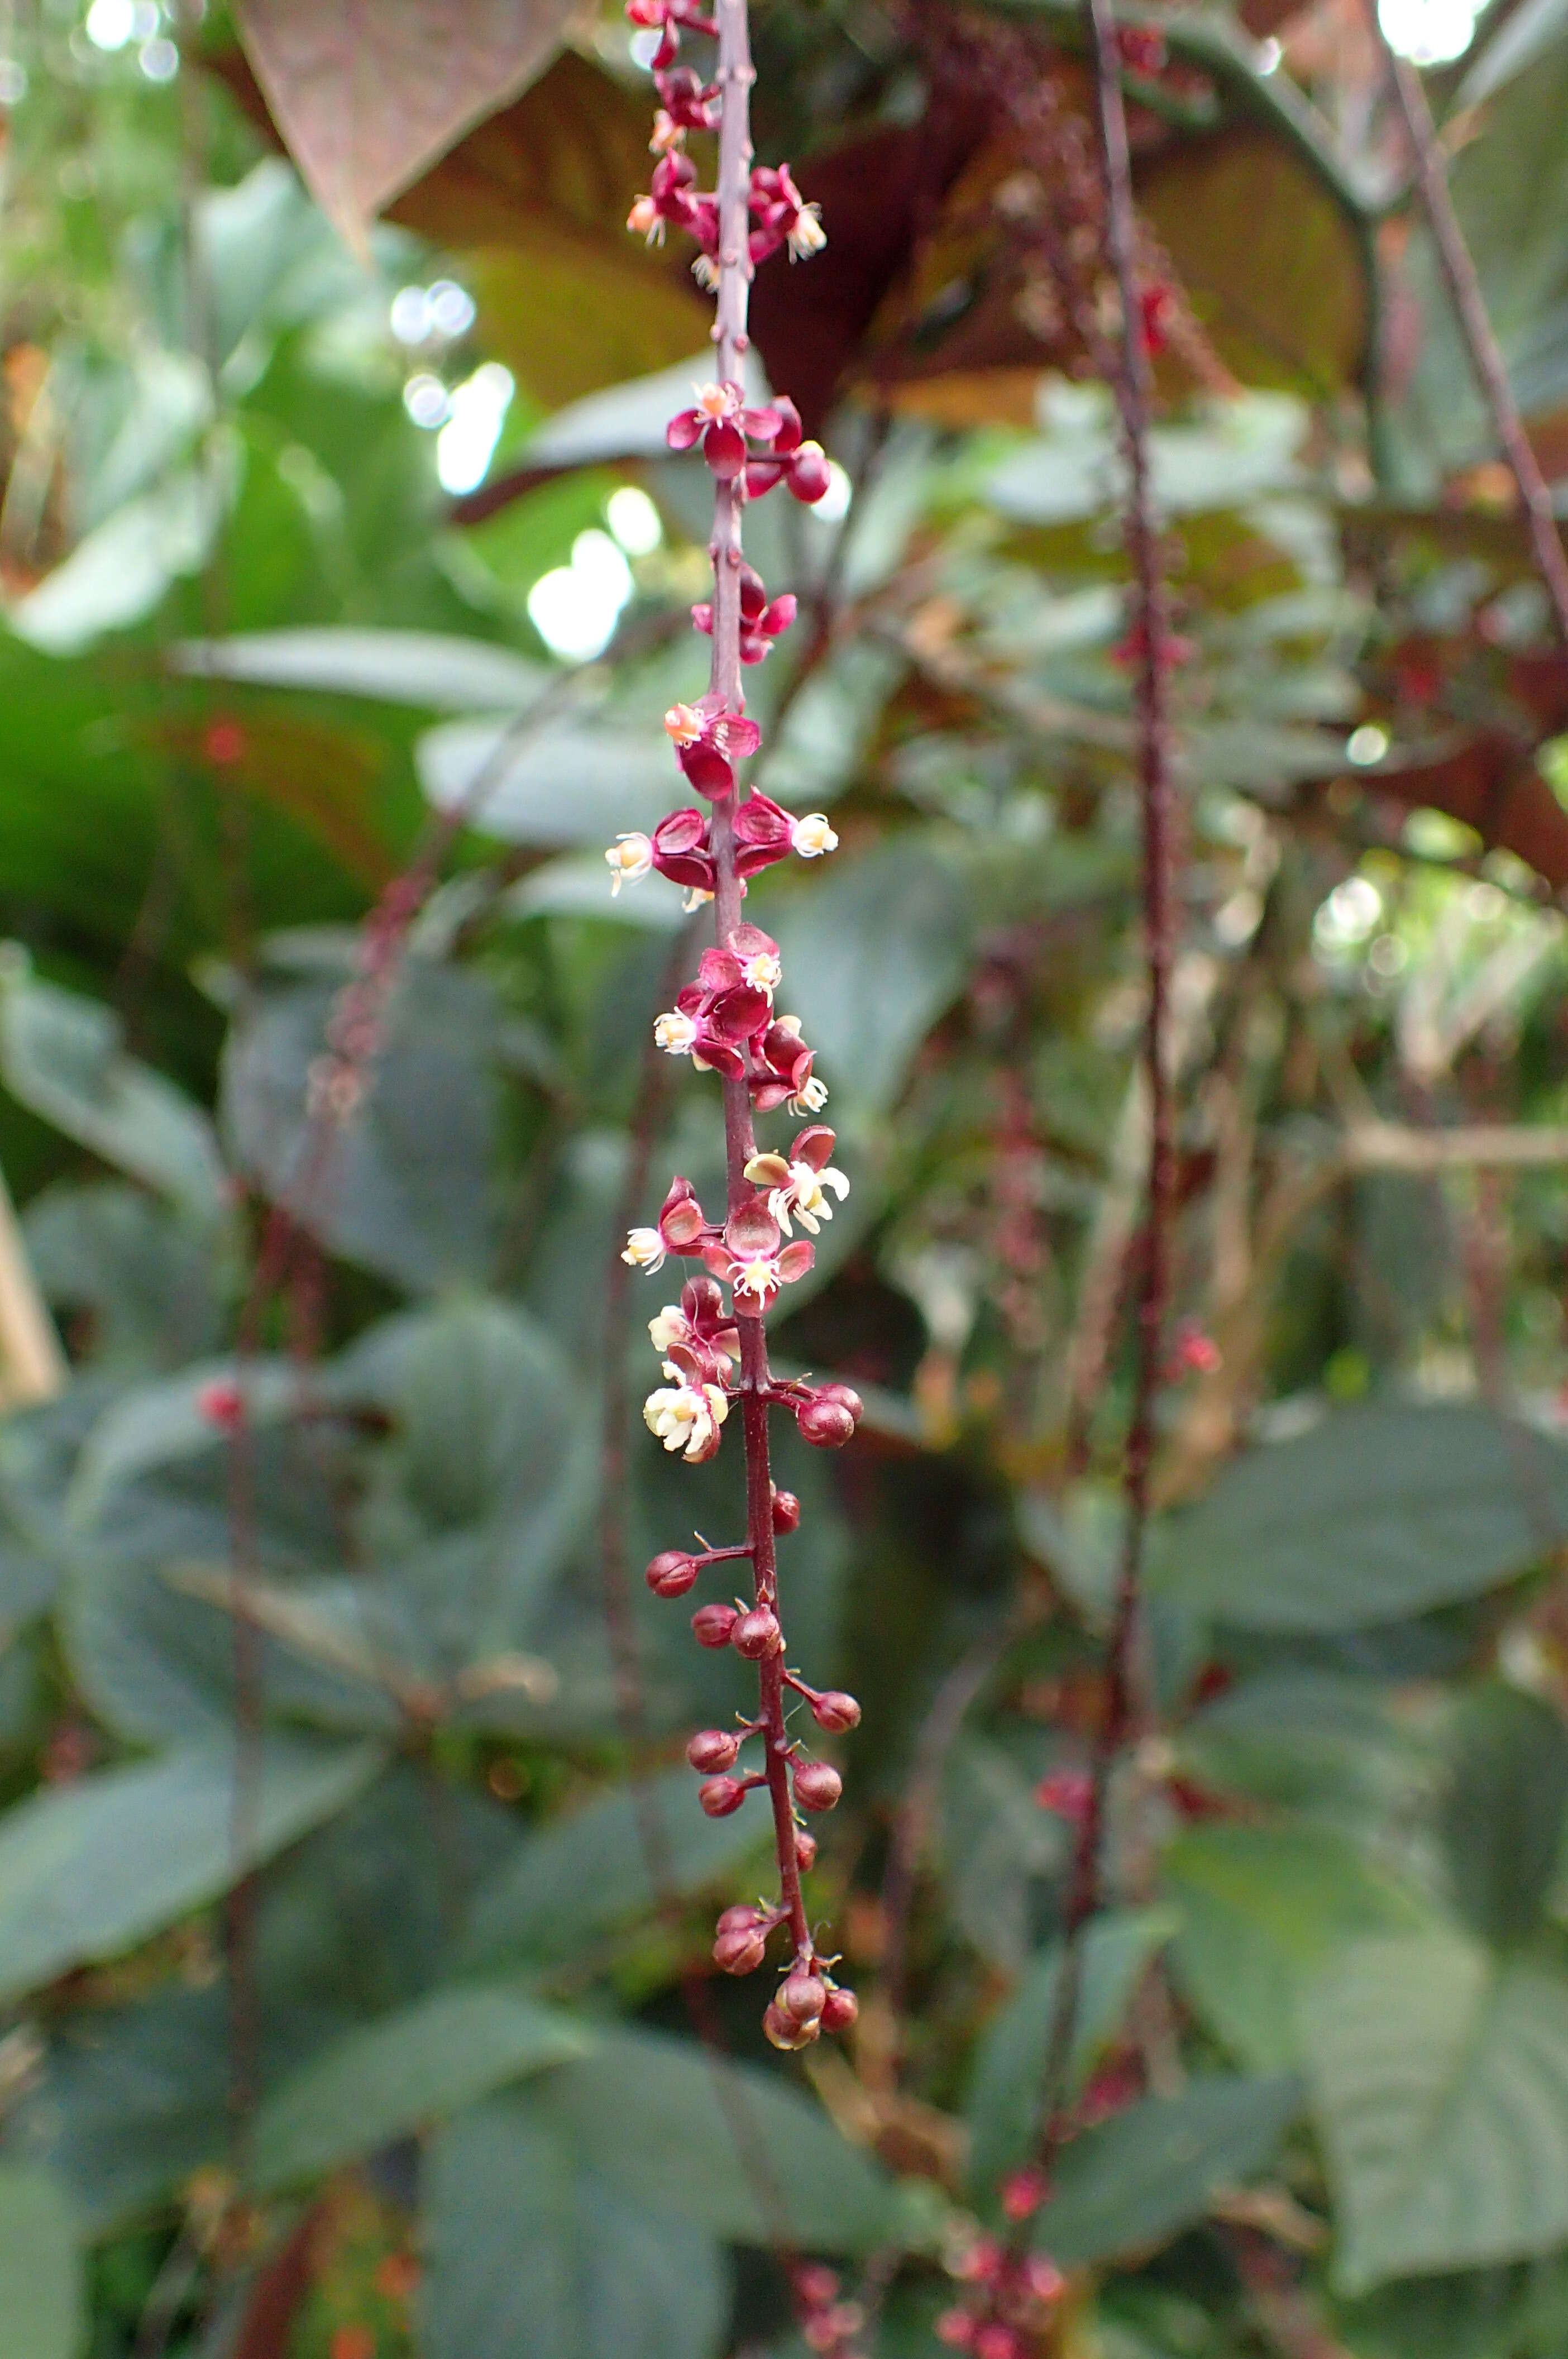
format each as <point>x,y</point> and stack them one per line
<point>1005,2095</point>
<point>1440,2084</point>
<point>873,954</point>
<point>60,1055</point>
<point>407,1188</point>
<point>1376,1515</point>
<point>1533,28</point>
<point>1262,1909</point>
<point>392,2077</point>
<point>366,105</point>
<point>1138,2179</point>
<point>526,2251</point>
<point>1502,1815</point>
<point>418,668</point>
<point>561,785</point>
<point>649,2113</point>
<point>159,1423</point>
<point>89,1870</point>
<point>575,1881</point>
<point>41,2304</point>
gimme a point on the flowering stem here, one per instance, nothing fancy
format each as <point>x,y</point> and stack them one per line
<point>734,77</point>
<point>1126,1703</point>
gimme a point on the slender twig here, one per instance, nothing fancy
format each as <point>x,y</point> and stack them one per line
<point>1480,340</point>
<point>1126,1703</point>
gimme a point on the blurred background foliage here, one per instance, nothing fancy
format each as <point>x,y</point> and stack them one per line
<point>353,1930</point>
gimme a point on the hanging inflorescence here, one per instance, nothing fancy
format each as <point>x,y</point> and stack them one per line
<point>711,1343</point>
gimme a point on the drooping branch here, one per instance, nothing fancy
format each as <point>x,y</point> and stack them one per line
<point>1469,303</point>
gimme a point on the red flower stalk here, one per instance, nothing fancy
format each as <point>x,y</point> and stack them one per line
<point>712,1342</point>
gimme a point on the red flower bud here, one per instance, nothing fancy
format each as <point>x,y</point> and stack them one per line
<point>222,1406</point>
<point>742,1914</point>
<point>740,1950</point>
<point>712,1624</point>
<point>825,1424</point>
<point>802,1996</point>
<point>805,1850</point>
<point>757,1634</point>
<point>841,2010</point>
<point>720,1795</point>
<point>835,1711</point>
<point>671,1573</point>
<point>817,1786</point>
<point>713,1748</point>
<point>784,2032</point>
<point>785,1511</point>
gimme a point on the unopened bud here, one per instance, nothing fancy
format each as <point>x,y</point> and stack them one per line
<point>810,479</point>
<point>713,1748</point>
<point>785,1511</point>
<point>757,1634</point>
<point>802,1996</point>
<point>805,1850</point>
<point>817,1785</point>
<point>720,1795</point>
<point>671,1573</point>
<point>835,1711</point>
<point>740,1950</point>
<point>784,2032</point>
<point>712,1624</point>
<point>840,2011</point>
<point>845,1398</point>
<point>826,1425</point>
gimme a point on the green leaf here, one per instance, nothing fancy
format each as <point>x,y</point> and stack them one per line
<point>873,954</point>
<point>1136,2180</point>
<point>1440,2084</point>
<point>1534,27</point>
<point>131,2100</point>
<point>1502,1815</point>
<point>89,1870</point>
<point>1005,2095</point>
<point>999,1847</point>
<point>144,1275</point>
<point>652,2115</point>
<point>577,1880</point>
<point>396,2075</point>
<point>564,784</point>
<point>419,667</point>
<point>159,1424</point>
<point>627,421</point>
<point>1376,1515</point>
<point>408,1186</point>
<point>40,2270</point>
<point>60,1055</point>
<point>529,2251</point>
<point>1262,1911</point>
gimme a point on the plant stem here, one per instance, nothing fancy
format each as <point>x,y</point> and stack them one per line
<point>735,79</point>
<point>1480,340</point>
<point>1125,1704</point>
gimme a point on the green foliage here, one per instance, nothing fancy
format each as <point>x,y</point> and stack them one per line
<point>41,2268</point>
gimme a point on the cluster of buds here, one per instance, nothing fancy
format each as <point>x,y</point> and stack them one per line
<point>829,2325</point>
<point>711,1343</point>
<point>780,217</point>
<point>1011,2298</point>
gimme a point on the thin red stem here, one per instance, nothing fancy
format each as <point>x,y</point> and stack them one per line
<point>1126,1703</point>
<point>1465,286</point>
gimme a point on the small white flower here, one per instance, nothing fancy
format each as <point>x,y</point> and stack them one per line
<point>644,1250</point>
<point>630,858</point>
<point>715,400</point>
<point>809,1098</point>
<point>755,1273</point>
<point>672,1326</point>
<point>762,971</point>
<point>693,898</point>
<point>675,1034</point>
<point>808,235</point>
<point>802,1195</point>
<point>811,836</point>
<point>686,1418</point>
<point>682,725</point>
